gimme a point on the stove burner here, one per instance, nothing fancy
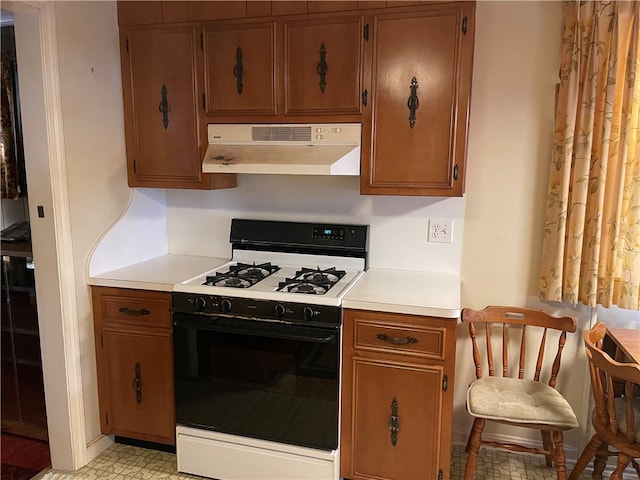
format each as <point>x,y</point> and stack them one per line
<point>241,275</point>
<point>312,281</point>
<point>295,285</point>
<point>233,282</point>
<point>328,275</point>
<point>258,271</point>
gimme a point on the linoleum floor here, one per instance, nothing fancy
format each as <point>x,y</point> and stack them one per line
<point>126,462</point>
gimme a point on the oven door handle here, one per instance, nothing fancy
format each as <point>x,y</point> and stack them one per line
<point>260,328</point>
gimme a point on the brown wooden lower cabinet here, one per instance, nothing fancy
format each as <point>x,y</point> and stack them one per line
<point>134,353</point>
<point>397,396</point>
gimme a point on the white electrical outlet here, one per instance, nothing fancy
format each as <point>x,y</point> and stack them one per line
<point>440,230</point>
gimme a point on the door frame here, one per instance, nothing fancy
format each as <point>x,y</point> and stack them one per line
<point>52,240</point>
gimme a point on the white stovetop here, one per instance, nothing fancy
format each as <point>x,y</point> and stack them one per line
<point>269,287</point>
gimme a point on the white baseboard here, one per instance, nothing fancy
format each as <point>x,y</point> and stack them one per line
<point>97,446</point>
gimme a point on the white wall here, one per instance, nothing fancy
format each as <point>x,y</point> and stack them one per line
<point>91,96</point>
<point>516,63</point>
<point>91,99</point>
<point>198,222</point>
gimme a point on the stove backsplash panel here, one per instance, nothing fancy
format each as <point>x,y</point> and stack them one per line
<point>198,222</point>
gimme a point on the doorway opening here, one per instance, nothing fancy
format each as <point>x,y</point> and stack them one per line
<point>23,412</point>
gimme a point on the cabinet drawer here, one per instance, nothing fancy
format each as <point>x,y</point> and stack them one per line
<point>398,338</point>
<point>140,309</point>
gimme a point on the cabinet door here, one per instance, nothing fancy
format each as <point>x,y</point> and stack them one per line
<point>240,69</point>
<point>161,108</point>
<point>409,359</point>
<point>323,64</point>
<point>139,375</point>
<point>395,425</point>
<point>421,77</point>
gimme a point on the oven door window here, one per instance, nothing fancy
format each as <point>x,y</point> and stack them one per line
<point>244,378</point>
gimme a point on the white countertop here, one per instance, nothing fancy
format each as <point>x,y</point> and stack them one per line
<point>383,290</point>
<point>401,291</point>
<point>160,273</point>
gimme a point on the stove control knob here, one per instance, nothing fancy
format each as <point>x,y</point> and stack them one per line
<point>308,313</point>
<point>199,303</point>
<point>280,310</point>
<point>225,305</point>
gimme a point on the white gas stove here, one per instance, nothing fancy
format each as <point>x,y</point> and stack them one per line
<point>257,352</point>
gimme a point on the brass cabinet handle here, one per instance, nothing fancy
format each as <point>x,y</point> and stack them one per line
<point>164,107</point>
<point>394,422</point>
<point>322,68</point>
<point>413,103</point>
<point>396,340</point>
<point>137,383</point>
<point>134,313</point>
<point>238,70</point>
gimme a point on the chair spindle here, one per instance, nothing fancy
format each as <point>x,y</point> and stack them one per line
<point>540,359</point>
<point>523,349</point>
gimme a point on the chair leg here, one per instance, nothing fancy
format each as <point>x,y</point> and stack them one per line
<point>466,448</point>
<point>600,462</point>
<point>559,457</point>
<point>585,457</point>
<point>475,440</point>
<point>623,461</point>
<point>548,446</point>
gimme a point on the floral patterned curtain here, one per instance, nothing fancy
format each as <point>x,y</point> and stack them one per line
<point>8,160</point>
<point>591,250</point>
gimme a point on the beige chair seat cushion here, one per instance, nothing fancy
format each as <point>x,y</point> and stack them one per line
<point>521,401</point>
<point>621,415</point>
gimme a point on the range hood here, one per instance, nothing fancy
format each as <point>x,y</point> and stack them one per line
<point>300,149</point>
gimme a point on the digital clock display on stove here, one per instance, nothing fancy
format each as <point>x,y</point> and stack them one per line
<point>326,232</point>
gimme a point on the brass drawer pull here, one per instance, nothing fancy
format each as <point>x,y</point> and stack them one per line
<point>396,340</point>
<point>134,313</point>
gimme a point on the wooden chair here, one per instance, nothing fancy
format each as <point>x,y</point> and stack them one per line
<point>615,417</point>
<point>518,401</point>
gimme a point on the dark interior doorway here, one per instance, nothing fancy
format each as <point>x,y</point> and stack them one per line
<point>22,397</point>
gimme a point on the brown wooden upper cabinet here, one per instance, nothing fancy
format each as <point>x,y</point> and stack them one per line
<point>421,80</point>
<point>161,81</point>
<point>323,66</point>
<point>176,11</point>
<point>240,66</point>
<point>401,69</point>
<point>296,67</point>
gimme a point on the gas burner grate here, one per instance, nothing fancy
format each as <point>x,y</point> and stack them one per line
<point>295,285</point>
<point>241,275</point>
<point>313,281</point>
<point>317,275</point>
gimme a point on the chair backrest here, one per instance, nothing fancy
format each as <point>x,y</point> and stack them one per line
<point>606,375</point>
<point>524,320</point>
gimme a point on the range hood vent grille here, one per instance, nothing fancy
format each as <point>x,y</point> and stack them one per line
<point>291,149</point>
<point>279,133</point>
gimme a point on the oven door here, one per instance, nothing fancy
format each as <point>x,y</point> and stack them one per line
<point>259,379</point>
